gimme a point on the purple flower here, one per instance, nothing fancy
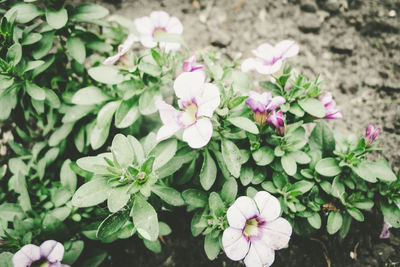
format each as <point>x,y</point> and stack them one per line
<point>157,23</point>
<point>386,226</point>
<point>189,64</point>
<point>370,134</point>
<point>262,104</point>
<point>276,119</point>
<point>255,230</point>
<point>122,55</point>
<point>330,107</point>
<point>198,100</point>
<point>50,253</point>
<point>268,59</point>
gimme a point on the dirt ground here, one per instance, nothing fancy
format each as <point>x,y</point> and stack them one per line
<point>355,46</point>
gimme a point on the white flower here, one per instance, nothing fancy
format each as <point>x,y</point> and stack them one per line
<point>198,100</point>
<point>157,23</point>
<point>268,59</point>
<point>255,230</point>
<point>123,50</point>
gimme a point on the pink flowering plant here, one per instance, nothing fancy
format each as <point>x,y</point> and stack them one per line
<point>118,128</point>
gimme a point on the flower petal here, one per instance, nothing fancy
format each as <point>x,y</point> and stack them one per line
<point>209,101</point>
<point>166,131</point>
<point>52,250</point>
<point>235,244</point>
<point>112,60</point>
<point>241,210</point>
<point>169,46</point>
<point>189,85</point>
<point>385,229</point>
<point>174,25</point>
<point>268,205</point>
<point>269,69</point>
<point>168,114</point>
<point>198,134</point>
<point>144,26</point>
<point>276,102</point>
<point>249,64</point>
<point>126,46</point>
<point>159,18</point>
<point>259,255</point>
<point>266,52</point>
<point>26,256</point>
<point>276,234</point>
<point>287,48</point>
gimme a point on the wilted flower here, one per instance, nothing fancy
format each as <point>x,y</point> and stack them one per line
<point>370,134</point>
<point>189,64</point>
<point>330,107</point>
<point>123,56</point>
<point>198,100</point>
<point>262,104</point>
<point>255,230</point>
<point>157,23</point>
<point>386,226</point>
<point>268,59</point>
<point>50,253</point>
<point>276,119</point>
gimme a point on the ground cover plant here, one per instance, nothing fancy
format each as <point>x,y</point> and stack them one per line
<point>110,140</point>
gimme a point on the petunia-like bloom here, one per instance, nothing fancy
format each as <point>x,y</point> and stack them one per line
<point>157,23</point>
<point>50,253</point>
<point>330,107</point>
<point>255,230</point>
<point>370,134</point>
<point>122,56</point>
<point>386,226</point>
<point>197,101</point>
<point>269,59</point>
<point>189,64</point>
<point>262,104</point>
<point>276,119</point>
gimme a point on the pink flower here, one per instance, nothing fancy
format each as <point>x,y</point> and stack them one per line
<point>276,119</point>
<point>262,104</point>
<point>330,107</point>
<point>189,64</point>
<point>268,59</point>
<point>386,226</point>
<point>198,100</point>
<point>123,49</point>
<point>50,252</point>
<point>255,230</point>
<point>157,23</point>
<point>370,134</point>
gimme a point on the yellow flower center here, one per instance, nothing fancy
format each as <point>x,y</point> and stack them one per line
<point>251,228</point>
<point>188,117</point>
<point>158,31</point>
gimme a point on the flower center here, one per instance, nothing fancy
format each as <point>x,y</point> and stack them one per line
<point>41,263</point>
<point>251,228</point>
<point>188,116</point>
<point>159,30</point>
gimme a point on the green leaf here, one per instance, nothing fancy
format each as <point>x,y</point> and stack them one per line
<point>313,107</point>
<point>31,65</point>
<point>382,170</point>
<point>263,156</point>
<point>246,175</point>
<point>61,133</point>
<point>164,152</point>
<point>100,46</point>
<point>168,194</point>
<point>14,54</point>
<point>57,18</point>
<point>89,12</point>
<point>147,101</point>
<point>232,157</point>
<point>365,172</point>
<point>9,210</point>
<point>302,186</point>
<point>338,190</point>
<point>356,214</point>
<point>321,138</point>
<point>289,165</point>
<point>92,193</point>
<point>122,150</point>
<point>25,12</point>
<point>208,172</point>
<point>73,252</point>
<point>334,222</point>
<point>6,259</point>
<point>127,113</point>
<point>48,62</point>
<point>300,157</point>
<point>112,224</point>
<point>145,218</point>
<point>43,47</point>
<point>76,48</point>
<point>195,198</point>
<point>118,198</point>
<point>328,167</point>
<point>149,68</point>
<point>315,220</point>
<point>365,204</point>
<point>245,124</point>
<point>89,96</point>
<point>280,179</point>
<point>164,229</point>
<point>216,204</point>
<point>31,38</point>
<point>35,91</point>
<point>229,191</point>
<point>391,212</point>
<point>137,148</point>
<point>211,247</point>
<point>68,177</point>
<point>154,246</point>
<point>106,74</point>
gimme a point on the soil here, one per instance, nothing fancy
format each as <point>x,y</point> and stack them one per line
<point>355,46</point>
